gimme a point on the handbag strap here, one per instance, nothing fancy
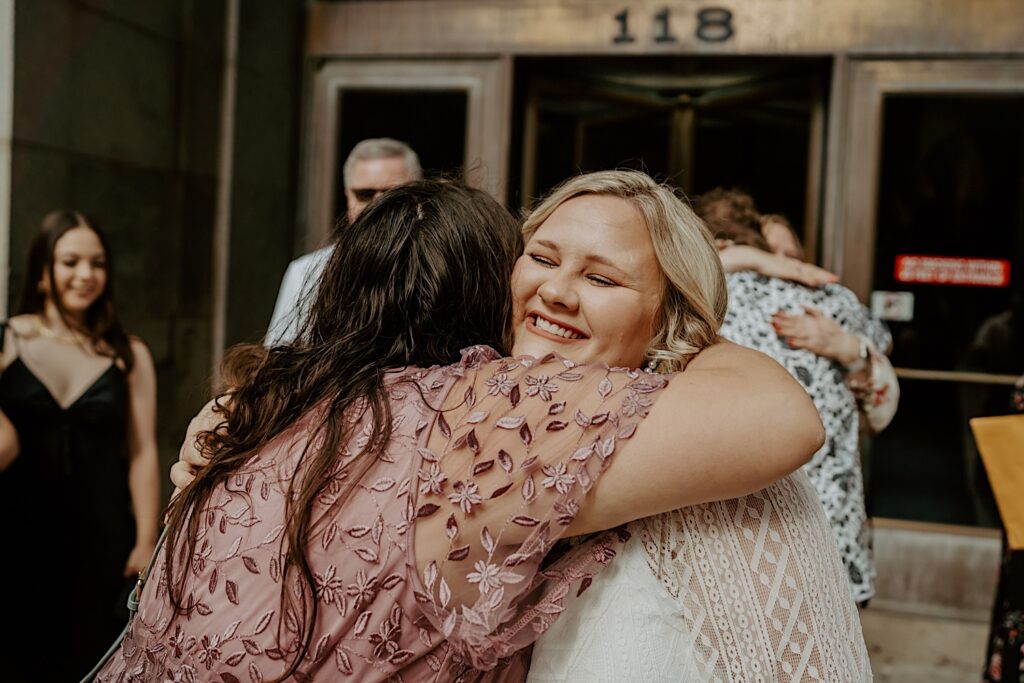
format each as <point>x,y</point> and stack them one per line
<point>133,608</point>
<point>133,597</point>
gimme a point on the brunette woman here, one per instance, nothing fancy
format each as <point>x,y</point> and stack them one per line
<point>79,491</point>
<point>367,515</point>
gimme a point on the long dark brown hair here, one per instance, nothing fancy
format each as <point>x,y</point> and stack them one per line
<point>422,273</point>
<point>102,326</point>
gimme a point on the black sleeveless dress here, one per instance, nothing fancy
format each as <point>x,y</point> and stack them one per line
<point>66,526</point>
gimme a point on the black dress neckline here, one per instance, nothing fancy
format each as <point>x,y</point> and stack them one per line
<point>46,390</point>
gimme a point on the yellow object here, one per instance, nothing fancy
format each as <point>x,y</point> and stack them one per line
<point>1001,444</point>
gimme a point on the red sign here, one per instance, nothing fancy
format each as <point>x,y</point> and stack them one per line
<point>953,270</point>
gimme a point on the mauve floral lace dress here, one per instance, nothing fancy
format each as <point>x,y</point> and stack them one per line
<point>431,571</point>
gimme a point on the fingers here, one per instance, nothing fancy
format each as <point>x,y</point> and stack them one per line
<point>812,275</point>
<point>791,326</point>
<point>190,450</point>
<point>797,342</point>
<point>822,276</point>
<point>783,325</point>
<point>208,419</point>
<point>182,474</point>
<point>192,455</point>
<point>812,311</point>
<point>806,274</point>
<point>783,318</point>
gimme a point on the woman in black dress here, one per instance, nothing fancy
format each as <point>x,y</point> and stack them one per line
<point>79,489</point>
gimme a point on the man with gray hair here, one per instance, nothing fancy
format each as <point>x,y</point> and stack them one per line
<point>373,167</point>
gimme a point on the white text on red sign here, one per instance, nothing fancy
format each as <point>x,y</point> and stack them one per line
<point>953,270</point>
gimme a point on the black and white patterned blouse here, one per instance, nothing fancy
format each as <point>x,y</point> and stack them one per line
<point>835,469</point>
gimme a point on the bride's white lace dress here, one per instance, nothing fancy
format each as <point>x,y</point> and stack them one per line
<point>750,589</point>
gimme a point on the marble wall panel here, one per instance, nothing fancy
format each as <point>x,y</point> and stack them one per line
<point>270,40</point>
<point>44,105</point>
<point>39,184</point>
<point>159,17</point>
<point>125,87</point>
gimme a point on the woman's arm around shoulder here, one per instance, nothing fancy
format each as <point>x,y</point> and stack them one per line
<point>737,258</point>
<point>732,423</point>
<point>143,476</point>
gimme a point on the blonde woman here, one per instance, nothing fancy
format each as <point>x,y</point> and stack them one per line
<point>751,588</point>
<point>564,439</point>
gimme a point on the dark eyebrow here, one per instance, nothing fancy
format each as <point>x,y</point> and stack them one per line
<point>593,258</point>
<point>75,254</point>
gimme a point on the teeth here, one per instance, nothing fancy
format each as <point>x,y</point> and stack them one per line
<point>558,330</point>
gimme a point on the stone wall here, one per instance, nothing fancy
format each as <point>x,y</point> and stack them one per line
<point>266,162</point>
<point>117,113</point>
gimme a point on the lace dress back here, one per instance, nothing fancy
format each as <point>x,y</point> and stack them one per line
<point>749,589</point>
<point>431,570</point>
<point>835,470</point>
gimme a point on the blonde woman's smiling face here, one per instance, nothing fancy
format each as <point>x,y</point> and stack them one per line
<point>588,285</point>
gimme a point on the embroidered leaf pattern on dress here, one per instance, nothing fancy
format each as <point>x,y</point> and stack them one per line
<point>431,570</point>
<point>493,564</point>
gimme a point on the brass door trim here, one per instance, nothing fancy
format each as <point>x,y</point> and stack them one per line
<point>954,376</point>
<point>934,527</point>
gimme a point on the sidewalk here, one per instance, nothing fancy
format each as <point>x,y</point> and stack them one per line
<point>908,648</point>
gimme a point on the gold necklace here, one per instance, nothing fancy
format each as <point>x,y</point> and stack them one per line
<point>70,338</point>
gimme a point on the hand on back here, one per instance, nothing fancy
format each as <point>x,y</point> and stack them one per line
<point>190,457</point>
<point>818,333</point>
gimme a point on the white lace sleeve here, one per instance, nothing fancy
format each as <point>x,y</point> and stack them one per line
<point>761,585</point>
<point>750,589</point>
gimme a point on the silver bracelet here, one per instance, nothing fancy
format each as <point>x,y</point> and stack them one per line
<point>862,357</point>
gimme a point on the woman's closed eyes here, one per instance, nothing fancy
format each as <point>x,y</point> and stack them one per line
<point>593,278</point>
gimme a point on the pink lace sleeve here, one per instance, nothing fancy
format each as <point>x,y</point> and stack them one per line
<point>500,480</point>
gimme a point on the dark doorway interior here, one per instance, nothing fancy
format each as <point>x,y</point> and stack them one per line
<point>432,122</point>
<point>698,123</point>
<point>951,184</point>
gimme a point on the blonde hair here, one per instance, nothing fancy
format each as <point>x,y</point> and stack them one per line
<point>694,303</point>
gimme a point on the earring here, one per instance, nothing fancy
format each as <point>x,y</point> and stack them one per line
<point>652,365</point>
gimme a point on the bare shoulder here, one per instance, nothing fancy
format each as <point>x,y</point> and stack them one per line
<point>727,357</point>
<point>24,325</point>
<point>140,349</point>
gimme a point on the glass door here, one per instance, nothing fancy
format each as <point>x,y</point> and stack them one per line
<point>696,122</point>
<point>932,234</point>
<point>454,113</point>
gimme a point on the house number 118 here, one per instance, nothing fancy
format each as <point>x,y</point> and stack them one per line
<point>714,25</point>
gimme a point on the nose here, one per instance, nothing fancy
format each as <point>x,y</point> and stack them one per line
<point>558,291</point>
<point>85,271</point>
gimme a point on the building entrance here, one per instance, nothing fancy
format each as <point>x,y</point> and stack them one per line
<point>698,123</point>
<point>853,119</point>
<point>934,236</point>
